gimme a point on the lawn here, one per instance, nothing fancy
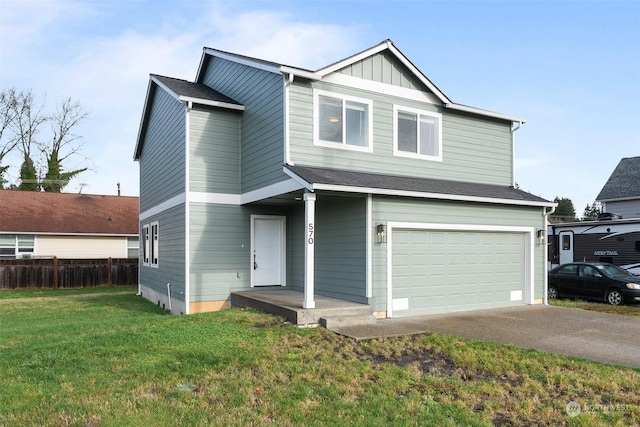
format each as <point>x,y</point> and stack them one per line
<point>117,360</point>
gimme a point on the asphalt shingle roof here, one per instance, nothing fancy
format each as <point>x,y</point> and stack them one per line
<point>67,213</point>
<point>315,175</point>
<point>194,90</point>
<point>624,182</point>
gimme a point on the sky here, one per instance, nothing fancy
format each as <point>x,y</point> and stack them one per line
<point>570,68</point>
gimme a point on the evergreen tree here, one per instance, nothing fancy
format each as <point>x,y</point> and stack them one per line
<point>565,209</point>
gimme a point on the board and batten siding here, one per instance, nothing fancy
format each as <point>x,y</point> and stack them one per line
<point>171,254</point>
<point>395,209</point>
<point>220,248</point>
<point>340,248</point>
<point>162,161</point>
<point>214,150</point>
<point>474,149</point>
<point>262,94</point>
<point>383,68</point>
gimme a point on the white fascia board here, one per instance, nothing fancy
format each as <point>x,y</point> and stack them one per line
<point>481,112</point>
<point>300,180</point>
<point>621,199</point>
<point>165,88</point>
<point>425,195</point>
<point>219,104</point>
<point>143,120</point>
<point>383,88</point>
<point>353,59</point>
<point>305,74</point>
<point>272,190</point>
<point>254,63</point>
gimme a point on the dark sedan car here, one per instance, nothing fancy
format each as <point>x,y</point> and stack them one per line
<point>594,281</point>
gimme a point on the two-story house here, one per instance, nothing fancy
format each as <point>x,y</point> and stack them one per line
<point>621,193</point>
<point>360,181</point>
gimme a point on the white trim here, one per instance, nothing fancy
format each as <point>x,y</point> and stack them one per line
<point>164,206</point>
<point>382,88</point>
<point>211,103</point>
<point>272,190</point>
<point>165,88</point>
<point>309,250</point>
<point>305,74</point>
<point>283,246</point>
<point>215,198</point>
<point>369,243</point>
<point>187,210</point>
<point>288,81</point>
<point>529,250</point>
<point>341,145</point>
<point>243,60</point>
<point>400,153</point>
<point>481,112</point>
<point>353,59</point>
<point>425,195</point>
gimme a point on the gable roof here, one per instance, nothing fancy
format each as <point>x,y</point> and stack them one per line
<point>386,45</point>
<point>182,91</point>
<point>315,178</point>
<point>67,213</point>
<point>624,182</point>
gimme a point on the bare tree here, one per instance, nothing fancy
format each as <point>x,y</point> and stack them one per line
<point>7,115</point>
<point>25,126</point>
<point>64,144</point>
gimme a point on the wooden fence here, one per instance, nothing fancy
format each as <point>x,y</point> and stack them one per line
<point>53,273</point>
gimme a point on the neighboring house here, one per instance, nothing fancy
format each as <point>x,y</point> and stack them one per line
<point>360,181</point>
<point>621,193</point>
<point>64,225</point>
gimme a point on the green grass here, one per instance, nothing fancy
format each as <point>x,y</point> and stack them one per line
<point>118,360</point>
<point>626,310</point>
<point>50,293</point>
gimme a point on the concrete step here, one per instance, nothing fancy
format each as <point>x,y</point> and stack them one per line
<point>346,320</point>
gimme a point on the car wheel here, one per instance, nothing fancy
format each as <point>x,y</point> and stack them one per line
<point>552,293</point>
<point>614,297</point>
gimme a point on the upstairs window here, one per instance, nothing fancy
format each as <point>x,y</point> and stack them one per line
<point>417,133</point>
<point>342,122</point>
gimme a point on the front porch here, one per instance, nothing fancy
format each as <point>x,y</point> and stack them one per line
<point>328,312</point>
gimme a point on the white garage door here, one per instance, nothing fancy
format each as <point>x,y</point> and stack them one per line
<point>436,271</point>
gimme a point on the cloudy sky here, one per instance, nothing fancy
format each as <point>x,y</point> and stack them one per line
<point>572,69</point>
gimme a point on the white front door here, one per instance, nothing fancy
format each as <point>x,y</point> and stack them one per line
<point>267,250</point>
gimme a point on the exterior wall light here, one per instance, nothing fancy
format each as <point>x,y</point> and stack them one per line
<point>381,233</point>
<point>540,236</point>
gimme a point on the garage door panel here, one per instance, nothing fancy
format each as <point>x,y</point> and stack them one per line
<point>440,271</point>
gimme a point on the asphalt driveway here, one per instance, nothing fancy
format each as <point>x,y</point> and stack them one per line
<point>601,337</point>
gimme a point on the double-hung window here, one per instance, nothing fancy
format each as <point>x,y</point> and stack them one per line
<point>342,121</point>
<point>17,246</point>
<point>150,247</point>
<point>417,133</point>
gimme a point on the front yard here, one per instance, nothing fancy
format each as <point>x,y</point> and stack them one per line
<point>117,360</point>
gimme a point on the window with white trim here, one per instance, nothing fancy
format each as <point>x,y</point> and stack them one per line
<point>150,244</point>
<point>342,121</point>
<point>133,246</point>
<point>417,133</point>
<point>17,246</point>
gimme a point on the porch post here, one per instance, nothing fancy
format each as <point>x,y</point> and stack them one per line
<point>309,250</point>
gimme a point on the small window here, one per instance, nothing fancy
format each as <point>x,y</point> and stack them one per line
<point>154,246</point>
<point>566,242</point>
<point>133,246</point>
<point>417,133</point>
<point>342,122</point>
<point>17,246</point>
<point>145,247</point>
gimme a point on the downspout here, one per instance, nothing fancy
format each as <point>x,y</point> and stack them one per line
<point>287,154</point>
<point>187,210</point>
<point>545,280</point>
<point>513,152</point>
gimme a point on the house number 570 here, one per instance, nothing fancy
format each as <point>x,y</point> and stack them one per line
<point>310,238</point>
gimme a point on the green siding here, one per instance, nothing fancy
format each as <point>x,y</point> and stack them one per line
<point>162,160</point>
<point>220,245</point>
<point>214,149</point>
<point>262,94</point>
<point>398,209</point>
<point>340,248</point>
<point>171,251</point>
<point>474,149</point>
<point>384,68</point>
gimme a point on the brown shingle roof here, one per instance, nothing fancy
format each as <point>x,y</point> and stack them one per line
<point>66,213</point>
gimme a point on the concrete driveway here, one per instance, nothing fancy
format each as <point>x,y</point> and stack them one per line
<point>601,337</point>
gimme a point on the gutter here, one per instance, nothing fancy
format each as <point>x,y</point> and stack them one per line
<point>287,152</point>
<point>545,280</point>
